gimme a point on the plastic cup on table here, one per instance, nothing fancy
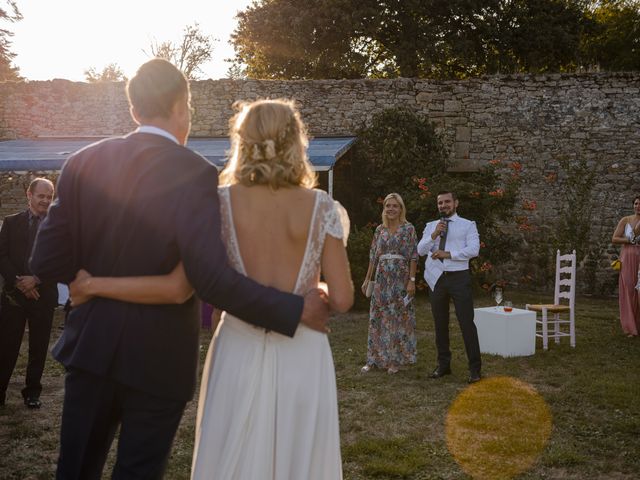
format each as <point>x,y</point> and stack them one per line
<point>508,306</point>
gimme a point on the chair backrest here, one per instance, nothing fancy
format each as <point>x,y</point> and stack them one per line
<point>565,287</point>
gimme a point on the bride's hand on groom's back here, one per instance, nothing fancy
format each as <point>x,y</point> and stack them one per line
<point>315,313</point>
<point>78,289</point>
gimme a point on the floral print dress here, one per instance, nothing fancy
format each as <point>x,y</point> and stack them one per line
<point>392,325</point>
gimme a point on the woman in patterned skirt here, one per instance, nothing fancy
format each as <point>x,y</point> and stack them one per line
<point>393,260</point>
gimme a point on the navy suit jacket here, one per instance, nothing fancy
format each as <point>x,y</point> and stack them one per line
<point>13,259</point>
<point>137,205</point>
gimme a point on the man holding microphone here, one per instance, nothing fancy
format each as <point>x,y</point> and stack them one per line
<point>449,244</point>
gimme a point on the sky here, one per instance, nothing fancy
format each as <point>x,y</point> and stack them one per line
<point>63,38</point>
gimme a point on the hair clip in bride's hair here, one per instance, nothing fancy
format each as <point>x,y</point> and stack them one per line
<point>284,132</point>
<point>255,152</point>
<point>269,147</point>
<point>265,150</point>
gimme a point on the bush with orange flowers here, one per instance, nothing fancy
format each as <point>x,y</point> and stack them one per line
<point>401,152</point>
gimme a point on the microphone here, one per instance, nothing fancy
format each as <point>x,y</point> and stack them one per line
<point>443,218</point>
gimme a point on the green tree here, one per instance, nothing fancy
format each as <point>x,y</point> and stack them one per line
<point>613,43</point>
<point>194,49</point>
<point>534,36</point>
<point>110,73</point>
<point>298,39</point>
<point>294,39</point>
<point>9,13</point>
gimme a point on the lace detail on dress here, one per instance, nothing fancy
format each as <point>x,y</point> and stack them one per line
<point>328,217</point>
<point>337,221</point>
<point>228,231</point>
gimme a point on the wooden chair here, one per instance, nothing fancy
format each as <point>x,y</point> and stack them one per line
<point>565,288</point>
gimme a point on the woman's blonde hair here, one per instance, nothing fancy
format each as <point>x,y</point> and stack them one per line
<point>268,146</point>
<point>403,210</point>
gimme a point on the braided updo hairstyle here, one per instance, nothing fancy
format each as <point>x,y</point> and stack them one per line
<point>268,146</point>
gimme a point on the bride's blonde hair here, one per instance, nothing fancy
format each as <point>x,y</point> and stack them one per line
<point>268,146</point>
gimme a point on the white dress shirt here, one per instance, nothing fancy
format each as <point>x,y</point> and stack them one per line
<point>463,243</point>
<point>156,131</point>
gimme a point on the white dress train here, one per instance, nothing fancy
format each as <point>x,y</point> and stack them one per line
<point>268,403</point>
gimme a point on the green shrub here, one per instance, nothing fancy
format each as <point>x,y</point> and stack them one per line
<point>401,152</point>
<point>358,251</point>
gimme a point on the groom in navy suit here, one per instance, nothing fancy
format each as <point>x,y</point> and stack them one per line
<point>138,205</point>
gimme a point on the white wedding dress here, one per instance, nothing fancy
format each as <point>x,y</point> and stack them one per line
<point>268,403</point>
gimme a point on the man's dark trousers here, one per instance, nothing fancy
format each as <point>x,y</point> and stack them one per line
<point>105,404</point>
<point>455,286</point>
<point>12,325</point>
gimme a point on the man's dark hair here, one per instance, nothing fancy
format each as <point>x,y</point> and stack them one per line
<point>155,89</point>
<point>34,183</point>
<point>447,192</point>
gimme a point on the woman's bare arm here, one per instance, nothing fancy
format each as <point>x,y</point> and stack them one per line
<point>173,288</point>
<point>618,235</point>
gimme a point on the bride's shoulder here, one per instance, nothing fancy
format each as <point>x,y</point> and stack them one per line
<point>325,199</point>
<point>322,196</point>
<point>333,215</point>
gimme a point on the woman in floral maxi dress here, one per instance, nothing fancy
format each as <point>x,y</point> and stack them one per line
<point>392,265</point>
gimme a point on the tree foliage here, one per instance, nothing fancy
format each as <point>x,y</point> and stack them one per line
<point>8,13</point>
<point>194,49</point>
<point>613,43</point>
<point>305,39</point>
<point>110,73</point>
<point>297,39</point>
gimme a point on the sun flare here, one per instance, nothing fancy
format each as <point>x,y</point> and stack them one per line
<point>497,428</point>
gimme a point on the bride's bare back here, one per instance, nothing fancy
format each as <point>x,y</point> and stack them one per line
<point>272,228</point>
<point>282,236</point>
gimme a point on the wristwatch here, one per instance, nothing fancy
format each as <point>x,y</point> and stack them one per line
<point>413,279</point>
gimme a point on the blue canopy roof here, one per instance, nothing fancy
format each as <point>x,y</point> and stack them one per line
<point>48,154</point>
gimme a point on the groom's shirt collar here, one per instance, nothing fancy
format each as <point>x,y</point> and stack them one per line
<point>156,131</point>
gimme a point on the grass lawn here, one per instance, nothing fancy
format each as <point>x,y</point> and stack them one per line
<point>561,414</point>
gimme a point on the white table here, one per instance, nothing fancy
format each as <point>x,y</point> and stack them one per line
<point>509,334</point>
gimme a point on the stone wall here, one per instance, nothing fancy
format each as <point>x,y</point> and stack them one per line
<point>533,120</point>
<point>524,118</point>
